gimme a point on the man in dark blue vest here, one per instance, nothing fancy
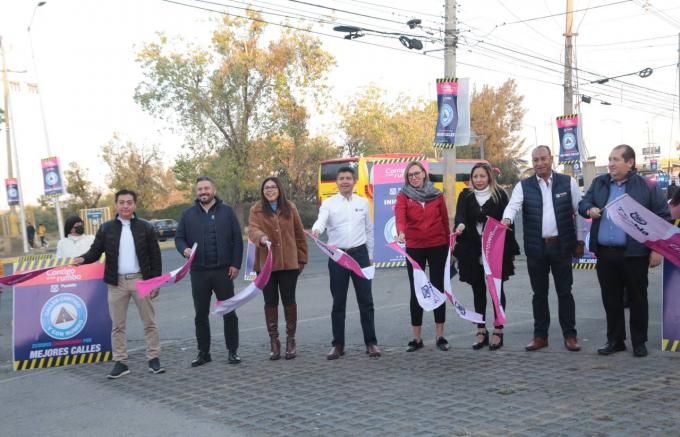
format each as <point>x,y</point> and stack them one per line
<point>622,262</point>
<point>549,205</point>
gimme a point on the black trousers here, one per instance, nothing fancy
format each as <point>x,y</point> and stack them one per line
<point>284,282</point>
<point>435,257</point>
<point>203,284</point>
<point>479,292</point>
<point>539,271</point>
<point>339,277</point>
<point>616,273</point>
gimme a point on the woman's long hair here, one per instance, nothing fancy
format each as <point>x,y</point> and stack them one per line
<point>281,201</point>
<point>493,185</point>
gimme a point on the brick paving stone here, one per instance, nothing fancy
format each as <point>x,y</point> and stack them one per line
<point>428,393</point>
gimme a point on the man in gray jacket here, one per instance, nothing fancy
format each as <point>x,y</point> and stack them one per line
<point>622,262</point>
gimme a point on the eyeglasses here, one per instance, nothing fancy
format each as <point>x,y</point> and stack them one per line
<point>270,188</point>
<point>414,174</point>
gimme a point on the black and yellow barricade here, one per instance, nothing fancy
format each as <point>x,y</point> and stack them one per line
<point>670,326</point>
<point>68,360</point>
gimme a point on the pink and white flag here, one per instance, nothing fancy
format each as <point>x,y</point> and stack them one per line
<point>448,290</point>
<point>247,294</point>
<point>646,227</point>
<point>343,259</point>
<point>427,294</point>
<point>20,277</point>
<point>493,244</point>
<point>145,287</point>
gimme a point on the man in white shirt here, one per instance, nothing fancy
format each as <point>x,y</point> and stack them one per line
<point>552,235</point>
<point>347,218</point>
<point>132,253</point>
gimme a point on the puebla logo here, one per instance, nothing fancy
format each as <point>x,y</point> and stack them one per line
<point>63,316</point>
<point>446,114</point>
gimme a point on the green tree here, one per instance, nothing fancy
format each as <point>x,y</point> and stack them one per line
<point>496,115</point>
<point>83,194</point>
<point>226,98</point>
<point>138,169</point>
<point>373,125</point>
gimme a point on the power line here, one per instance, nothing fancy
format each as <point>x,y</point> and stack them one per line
<point>565,13</point>
<point>628,41</point>
<point>396,9</point>
<point>287,26</point>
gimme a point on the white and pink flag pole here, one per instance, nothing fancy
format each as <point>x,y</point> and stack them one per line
<point>493,244</point>
<point>646,227</point>
<point>343,259</point>
<point>145,287</point>
<point>247,294</point>
<point>470,316</point>
<point>429,298</point>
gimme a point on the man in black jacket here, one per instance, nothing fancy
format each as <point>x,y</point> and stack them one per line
<point>132,253</point>
<point>213,225</point>
<point>622,262</point>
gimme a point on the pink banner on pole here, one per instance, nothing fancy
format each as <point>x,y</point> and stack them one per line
<point>247,294</point>
<point>493,244</point>
<point>429,298</point>
<point>470,316</point>
<point>646,227</point>
<point>144,288</point>
<point>343,259</point>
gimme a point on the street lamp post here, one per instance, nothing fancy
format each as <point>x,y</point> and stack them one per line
<point>57,205</point>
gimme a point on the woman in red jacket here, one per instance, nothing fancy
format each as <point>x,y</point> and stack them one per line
<point>423,224</point>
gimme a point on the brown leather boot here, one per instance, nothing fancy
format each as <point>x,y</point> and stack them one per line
<point>271,316</point>
<point>290,312</point>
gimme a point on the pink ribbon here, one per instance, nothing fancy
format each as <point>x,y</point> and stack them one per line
<point>340,257</point>
<point>145,287</point>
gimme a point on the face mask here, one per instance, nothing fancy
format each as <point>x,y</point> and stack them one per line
<point>80,230</point>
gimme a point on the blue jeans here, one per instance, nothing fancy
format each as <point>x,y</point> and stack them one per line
<point>339,277</point>
<point>539,270</point>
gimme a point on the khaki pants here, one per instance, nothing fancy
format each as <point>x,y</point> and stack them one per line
<point>119,300</point>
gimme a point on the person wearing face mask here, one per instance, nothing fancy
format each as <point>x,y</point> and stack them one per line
<point>75,242</point>
<point>484,199</point>
<point>423,225</point>
<point>276,220</point>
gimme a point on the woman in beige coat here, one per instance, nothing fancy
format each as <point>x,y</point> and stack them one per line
<point>275,219</point>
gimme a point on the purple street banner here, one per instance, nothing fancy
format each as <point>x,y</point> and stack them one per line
<point>250,273</point>
<point>12,187</point>
<point>52,176</point>
<point>429,298</point>
<point>588,261</point>
<point>61,317</point>
<point>146,287</point>
<point>447,108</point>
<point>670,327</point>
<point>244,296</point>
<point>340,257</point>
<point>493,245</point>
<point>646,227</point>
<point>388,179</point>
<point>568,133</point>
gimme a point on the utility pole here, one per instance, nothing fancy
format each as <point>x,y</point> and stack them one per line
<point>449,155</point>
<point>10,143</point>
<point>568,73</point>
<point>57,205</point>
<point>5,88</point>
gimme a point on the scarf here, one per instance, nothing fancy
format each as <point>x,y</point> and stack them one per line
<point>425,193</point>
<point>482,195</point>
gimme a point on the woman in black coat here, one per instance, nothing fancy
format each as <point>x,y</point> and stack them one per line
<point>484,199</point>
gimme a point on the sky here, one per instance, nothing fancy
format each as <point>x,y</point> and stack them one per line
<point>85,66</point>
